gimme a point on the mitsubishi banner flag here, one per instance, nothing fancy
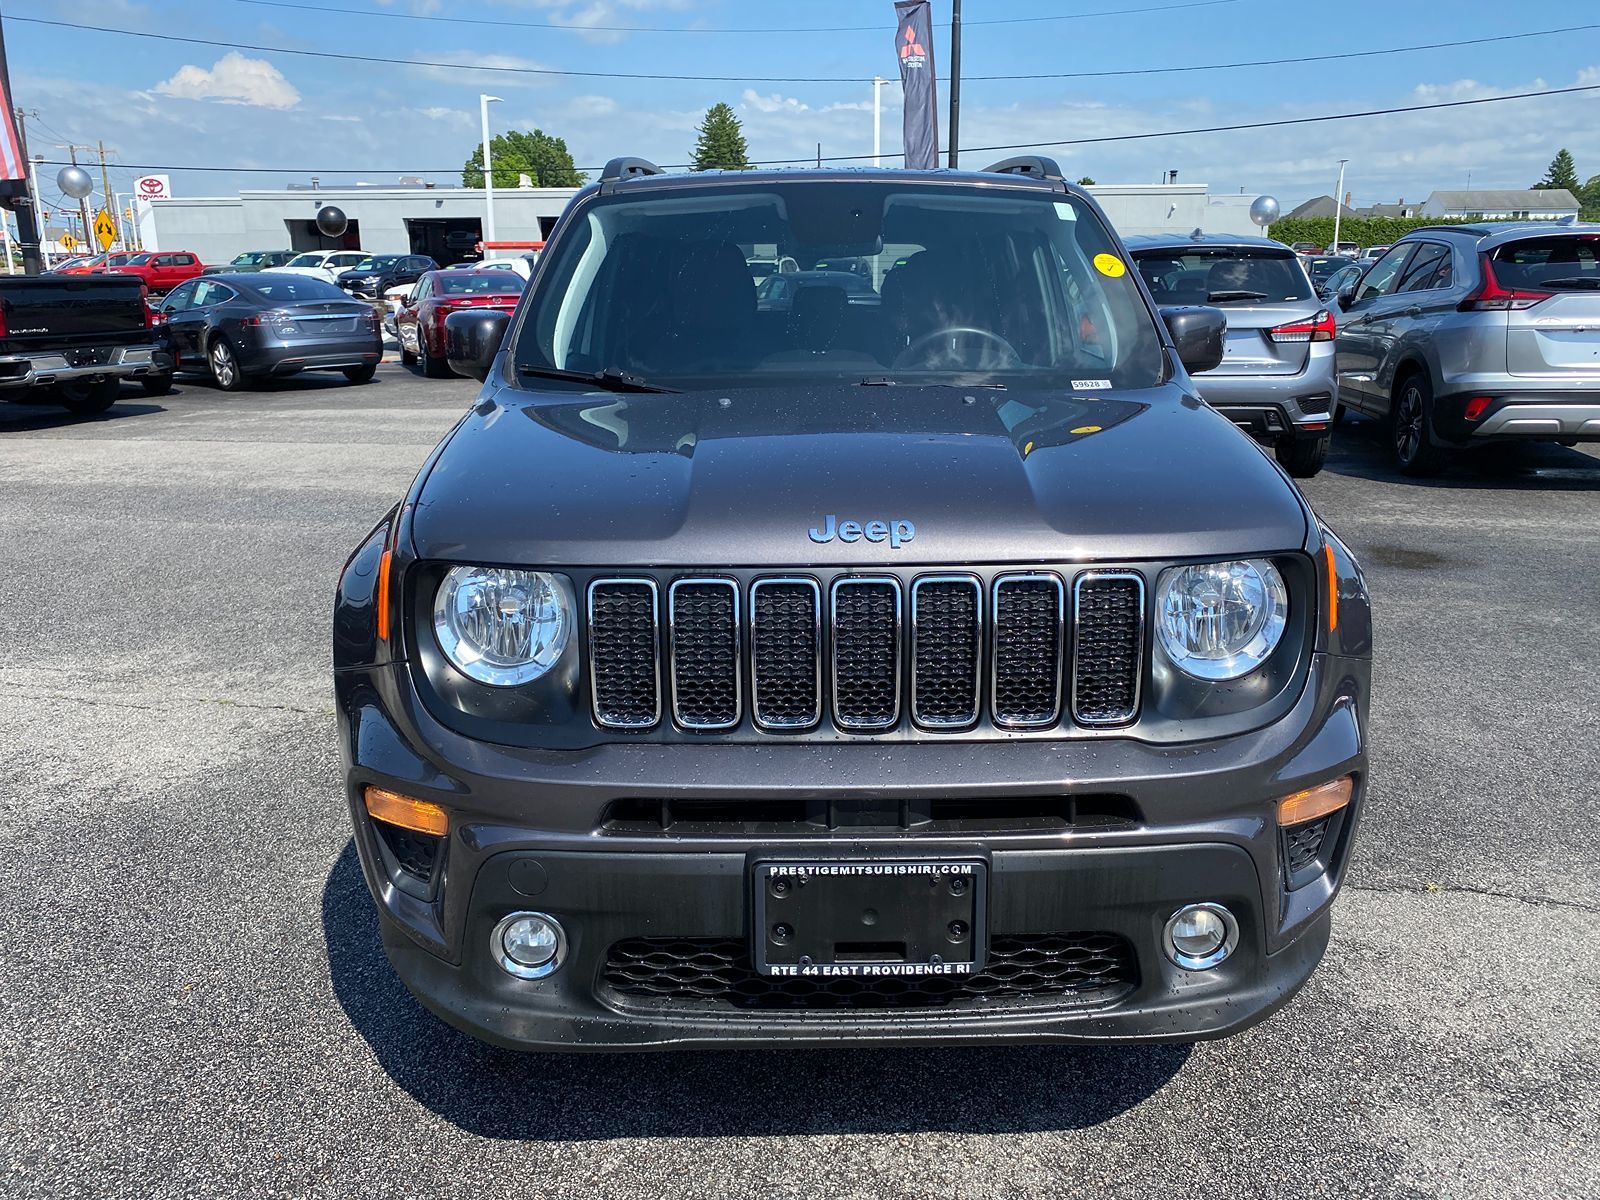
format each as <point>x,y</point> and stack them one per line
<point>13,158</point>
<point>913,41</point>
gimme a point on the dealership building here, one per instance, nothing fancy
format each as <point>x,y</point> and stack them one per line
<point>447,223</point>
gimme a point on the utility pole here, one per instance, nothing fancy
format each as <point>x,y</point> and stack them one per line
<point>30,218</point>
<point>877,120</point>
<point>105,188</point>
<point>955,82</point>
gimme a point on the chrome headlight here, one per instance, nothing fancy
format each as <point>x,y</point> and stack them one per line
<point>502,627</point>
<point>1221,620</point>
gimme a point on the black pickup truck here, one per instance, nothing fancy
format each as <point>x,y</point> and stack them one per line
<point>72,341</point>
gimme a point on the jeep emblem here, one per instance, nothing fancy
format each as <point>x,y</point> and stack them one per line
<point>896,533</point>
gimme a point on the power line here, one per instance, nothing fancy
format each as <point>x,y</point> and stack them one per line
<point>569,28</point>
<point>657,77</point>
<point>1284,122</point>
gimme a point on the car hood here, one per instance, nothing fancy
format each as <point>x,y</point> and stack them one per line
<point>709,479</point>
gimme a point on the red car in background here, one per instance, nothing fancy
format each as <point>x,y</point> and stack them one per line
<point>162,270</point>
<point>94,264</point>
<point>419,323</point>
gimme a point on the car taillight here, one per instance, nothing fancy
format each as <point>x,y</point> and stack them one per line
<point>1319,328</point>
<point>1490,296</point>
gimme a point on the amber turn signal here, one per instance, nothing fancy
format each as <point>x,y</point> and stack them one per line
<point>407,812</point>
<point>1333,587</point>
<point>383,595</point>
<point>1316,802</point>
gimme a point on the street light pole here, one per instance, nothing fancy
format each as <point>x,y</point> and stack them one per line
<point>955,83</point>
<point>488,171</point>
<point>1338,207</point>
<point>38,215</point>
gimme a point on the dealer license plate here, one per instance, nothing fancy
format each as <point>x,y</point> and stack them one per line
<point>876,919</point>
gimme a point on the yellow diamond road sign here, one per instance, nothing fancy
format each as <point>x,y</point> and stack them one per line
<point>68,242</point>
<point>105,229</point>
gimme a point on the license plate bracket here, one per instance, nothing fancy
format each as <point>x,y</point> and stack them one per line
<point>878,918</point>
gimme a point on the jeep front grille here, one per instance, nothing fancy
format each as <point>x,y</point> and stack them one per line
<point>867,652</point>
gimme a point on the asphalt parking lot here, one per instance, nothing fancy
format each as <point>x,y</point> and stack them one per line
<point>195,1002</point>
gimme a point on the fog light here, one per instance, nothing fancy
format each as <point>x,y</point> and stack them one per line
<point>1199,936</point>
<point>528,945</point>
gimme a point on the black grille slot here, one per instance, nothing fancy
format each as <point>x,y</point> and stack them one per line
<point>414,853</point>
<point>866,653</point>
<point>785,653</point>
<point>1028,623</point>
<point>945,637</point>
<point>1306,849</point>
<point>1041,969</point>
<point>1108,620</point>
<point>623,667</point>
<point>704,629</point>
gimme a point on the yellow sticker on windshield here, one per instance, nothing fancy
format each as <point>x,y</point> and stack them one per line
<point>1110,265</point>
<point>1087,429</point>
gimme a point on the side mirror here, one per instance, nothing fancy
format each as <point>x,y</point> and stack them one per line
<point>472,339</point>
<point>1197,335</point>
<point>1347,297</point>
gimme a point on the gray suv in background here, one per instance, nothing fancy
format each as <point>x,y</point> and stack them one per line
<point>1277,377</point>
<point>1467,335</point>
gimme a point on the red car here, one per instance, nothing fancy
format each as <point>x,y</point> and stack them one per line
<point>162,270</point>
<point>419,323</point>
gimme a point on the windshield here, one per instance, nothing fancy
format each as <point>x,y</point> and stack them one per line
<point>306,260</point>
<point>482,283</point>
<point>377,262</point>
<point>250,258</point>
<point>1572,261</point>
<point>282,288</point>
<point>1321,268</point>
<point>913,283</point>
<point>1224,275</point>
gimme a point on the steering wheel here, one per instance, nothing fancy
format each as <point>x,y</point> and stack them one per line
<point>914,354</point>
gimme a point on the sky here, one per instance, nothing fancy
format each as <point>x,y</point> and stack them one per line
<point>176,106</point>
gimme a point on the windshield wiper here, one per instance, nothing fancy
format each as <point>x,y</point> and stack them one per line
<point>1577,282</point>
<point>1224,297</point>
<point>610,379</point>
<point>886,381</point>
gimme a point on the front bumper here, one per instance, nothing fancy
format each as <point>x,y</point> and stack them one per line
<point>44,369</point>
<point>529,832</point>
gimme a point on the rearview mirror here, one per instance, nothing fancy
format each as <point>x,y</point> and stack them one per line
<point>1197,336</point>
<point>472,340</point>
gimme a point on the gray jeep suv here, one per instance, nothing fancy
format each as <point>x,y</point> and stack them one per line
<point>1276,376</point>
<point>1465,335</point>
<point>940,669</point>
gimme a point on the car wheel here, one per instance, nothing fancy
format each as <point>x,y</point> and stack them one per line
<point>156,385</point>
<point>1302,457</point>
<point>431,366</point>
<point>361,374</point>
<point>88,398</point>
<point>224,365</point>
<point>1410,430</point>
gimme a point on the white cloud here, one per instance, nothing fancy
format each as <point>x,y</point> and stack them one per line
<point>773,103</point>
<point>233,79</point>
<point>503,70</point>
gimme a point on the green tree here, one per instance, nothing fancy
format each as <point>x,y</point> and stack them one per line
<point>1563,173</point>
<point>1589,197</point>
<point>542,158</point>
<point>1085,182</point>
<point>721,146</point>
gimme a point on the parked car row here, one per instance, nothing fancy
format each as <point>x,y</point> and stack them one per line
<point>1457,336</point>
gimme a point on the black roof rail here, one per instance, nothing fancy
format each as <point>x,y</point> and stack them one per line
<point>626,168</point>
<point>1031,165</point>
<point>1478,230</point>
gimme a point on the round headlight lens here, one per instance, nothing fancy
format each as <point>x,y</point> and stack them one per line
<point>502,627</point>
<point>1221,620</point>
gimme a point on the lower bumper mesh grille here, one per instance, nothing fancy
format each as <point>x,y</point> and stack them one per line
<point>716,974</point>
